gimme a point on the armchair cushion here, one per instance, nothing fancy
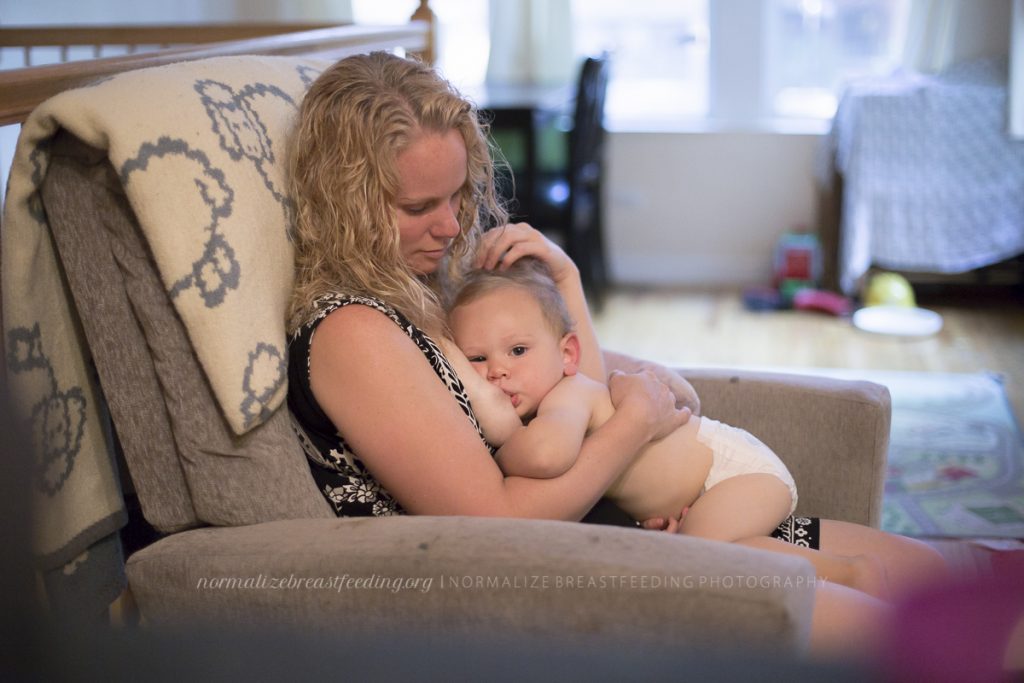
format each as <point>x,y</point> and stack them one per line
<point>478,576</point>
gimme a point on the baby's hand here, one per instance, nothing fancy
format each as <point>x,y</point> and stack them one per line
<point>670,524</point>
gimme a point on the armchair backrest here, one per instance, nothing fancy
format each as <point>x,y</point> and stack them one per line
<point>196,455</point>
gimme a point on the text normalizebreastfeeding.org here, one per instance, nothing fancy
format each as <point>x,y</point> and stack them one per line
<point>482,582</point>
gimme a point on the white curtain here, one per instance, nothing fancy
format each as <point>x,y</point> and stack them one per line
<point>941,32</point>
<point>1016,104</point>
<point>931,30</point>
<point>531,42</point>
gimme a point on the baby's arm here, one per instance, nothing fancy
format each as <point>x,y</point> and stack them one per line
<point>493,410</point>
<point>550,443</point>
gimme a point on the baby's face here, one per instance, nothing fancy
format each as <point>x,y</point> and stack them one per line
<point>510,344</point>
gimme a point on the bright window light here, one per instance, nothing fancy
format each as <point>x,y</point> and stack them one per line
<point>659,55</point>
<point>813,47</point>
<point>463,40</point>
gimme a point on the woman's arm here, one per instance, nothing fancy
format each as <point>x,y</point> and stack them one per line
<point>381,393</point>
<point>591,359</point>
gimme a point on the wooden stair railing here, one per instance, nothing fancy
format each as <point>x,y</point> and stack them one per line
<point>23,89</point>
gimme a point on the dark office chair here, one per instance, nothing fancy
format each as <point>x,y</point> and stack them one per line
<point>569,206</point>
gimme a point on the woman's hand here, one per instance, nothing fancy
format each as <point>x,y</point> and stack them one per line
<point>684,391</point>
<point>650,400</point>
<point>501,247</point>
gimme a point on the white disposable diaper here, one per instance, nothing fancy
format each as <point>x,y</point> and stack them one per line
<point>736,451</point>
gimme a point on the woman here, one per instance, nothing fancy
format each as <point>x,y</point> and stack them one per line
<point>392,178</point>
<point>393,186</point>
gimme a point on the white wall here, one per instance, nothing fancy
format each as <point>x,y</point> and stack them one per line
<point>705,208</point>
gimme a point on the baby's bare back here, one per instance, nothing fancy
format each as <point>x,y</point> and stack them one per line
<point>666,477</point>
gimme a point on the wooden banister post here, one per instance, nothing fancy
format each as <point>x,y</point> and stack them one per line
<point>424,13</point>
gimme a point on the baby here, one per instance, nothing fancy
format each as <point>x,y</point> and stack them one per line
<point>514,328</point>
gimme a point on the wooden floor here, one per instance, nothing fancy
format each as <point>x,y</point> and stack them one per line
<point>982,331</point>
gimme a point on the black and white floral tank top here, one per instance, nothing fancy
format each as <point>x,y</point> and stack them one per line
<point>339,473</point>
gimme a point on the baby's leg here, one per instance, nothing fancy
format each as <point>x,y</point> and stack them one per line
<point>748,488</point>
<point>746,508</point>
<point>739,507</point>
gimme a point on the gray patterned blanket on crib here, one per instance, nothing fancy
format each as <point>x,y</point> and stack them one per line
<point>932,180</point>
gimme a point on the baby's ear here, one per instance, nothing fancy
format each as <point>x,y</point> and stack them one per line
<point>570,346</point>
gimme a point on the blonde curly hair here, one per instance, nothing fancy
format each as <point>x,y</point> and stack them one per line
<point>353,123</point>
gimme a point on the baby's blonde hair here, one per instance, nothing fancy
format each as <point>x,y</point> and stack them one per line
<point>353,123</point>
<point>528,274</point>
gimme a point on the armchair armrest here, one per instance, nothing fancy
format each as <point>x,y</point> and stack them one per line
<point>832,434</point>
<point>467,576</point>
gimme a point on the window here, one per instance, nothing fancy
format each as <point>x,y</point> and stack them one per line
<point>813,46</point>
<point>736,62</point>
<point>659,49</point>
<point>697,63</point>
<point>462,30</point>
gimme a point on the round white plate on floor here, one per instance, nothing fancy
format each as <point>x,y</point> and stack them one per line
<point>898,320</point>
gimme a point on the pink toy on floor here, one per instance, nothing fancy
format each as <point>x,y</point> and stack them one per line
<point>820,300</point>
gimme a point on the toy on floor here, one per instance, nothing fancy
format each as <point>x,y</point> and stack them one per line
<point>796,272</point>
<point>825,302</point>
<point>797,262</point>
<point>889,289</point>
<point>891,308</point>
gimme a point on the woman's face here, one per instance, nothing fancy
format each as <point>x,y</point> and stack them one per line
<point>431,173</point>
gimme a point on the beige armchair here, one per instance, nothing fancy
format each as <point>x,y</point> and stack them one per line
<point>244,533</point>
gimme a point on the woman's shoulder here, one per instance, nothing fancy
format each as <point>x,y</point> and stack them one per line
<point>364,322</point>
<point>353,316</point>
<point>328,304</point>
